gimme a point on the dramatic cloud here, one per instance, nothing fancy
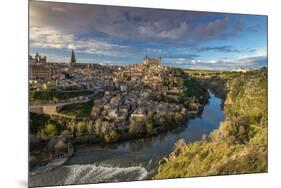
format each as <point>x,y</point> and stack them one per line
<point>210,30</point>
<point>125,35</point>
<point>175,33</point>
<point>43,37</point>
<point>125,22</point>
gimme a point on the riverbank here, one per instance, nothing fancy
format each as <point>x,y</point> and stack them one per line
<point>240,143</point>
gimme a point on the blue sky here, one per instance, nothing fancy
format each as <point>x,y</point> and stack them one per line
<point>123,35</point>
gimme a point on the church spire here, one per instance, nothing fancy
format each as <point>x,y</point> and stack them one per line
<point>73,59</point>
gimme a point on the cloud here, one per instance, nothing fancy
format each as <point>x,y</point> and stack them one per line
<point>180,56</point>
<point>126,23</point>
<point>212,30</point>
<point>127,34</point>
<point>175,33</point>
<point>256,52</point>
<point>44,37</point>
<point>218,48</point>
<point>222,64</point>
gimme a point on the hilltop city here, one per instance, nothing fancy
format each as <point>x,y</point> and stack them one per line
<point>131,90</point>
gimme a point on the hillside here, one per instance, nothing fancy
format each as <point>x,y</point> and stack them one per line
<point>240,143</point>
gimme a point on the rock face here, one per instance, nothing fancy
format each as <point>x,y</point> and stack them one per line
<point>61,146</point>
<point>57,145</point>
<point>180,143</point>
<point>228,100</point>
<point>51,144</point>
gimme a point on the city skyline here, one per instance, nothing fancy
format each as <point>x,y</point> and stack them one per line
<point>125,35</point>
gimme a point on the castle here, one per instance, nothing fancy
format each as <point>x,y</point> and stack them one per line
<point>152,61</point>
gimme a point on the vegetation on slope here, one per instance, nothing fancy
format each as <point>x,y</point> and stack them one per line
<point>240,143</point>
<point>53,95</point>
<point>78,109</point>
<point>42,122</point>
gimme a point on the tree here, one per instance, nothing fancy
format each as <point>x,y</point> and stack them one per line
<point>178,118</point>
<point>149,127</point>
<point>51,130</point>
<point>111,136</point>
<point>137,126</point>
<point>98,125</point>
<point>82,128</point>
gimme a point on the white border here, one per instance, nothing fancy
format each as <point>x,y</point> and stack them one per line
<point>14,43</point>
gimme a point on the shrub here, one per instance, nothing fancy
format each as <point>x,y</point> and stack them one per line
<point>98,125</point>
<point>51,130</point>
<point>66,133</point>
<point>137,126</point>
<point>82,128</point>
<point>111,136</point>
<point>149,127</point>
<point>178,118</point>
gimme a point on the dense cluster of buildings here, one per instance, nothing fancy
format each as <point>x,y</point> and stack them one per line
<point>58,74</point>
<point>73,75</point>
<point>129,92</point>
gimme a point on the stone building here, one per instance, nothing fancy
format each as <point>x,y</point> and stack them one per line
<point>37,59</point>
<point>152,61</point>
<point>41,72</point>
<point>39,69</point>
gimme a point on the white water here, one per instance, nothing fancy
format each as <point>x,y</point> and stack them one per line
<point>81,174</point>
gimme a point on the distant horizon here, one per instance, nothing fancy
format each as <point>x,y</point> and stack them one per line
<point>102,34</point>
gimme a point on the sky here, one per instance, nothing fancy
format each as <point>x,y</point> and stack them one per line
<point>125,35</point>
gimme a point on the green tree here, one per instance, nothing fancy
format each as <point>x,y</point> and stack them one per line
<point>111,136</point>
<point>51,130</point>
<point>82,128</point>
<point>137,126</point>
<point>149,127</point>
<point>178,118</point>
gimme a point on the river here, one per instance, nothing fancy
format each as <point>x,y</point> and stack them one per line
<point>129,160</point>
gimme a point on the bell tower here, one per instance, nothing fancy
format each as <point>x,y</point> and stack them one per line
<point>72,59</point>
